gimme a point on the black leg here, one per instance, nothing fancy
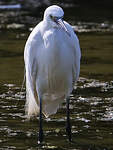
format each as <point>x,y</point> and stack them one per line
<point>68,125</point>
<point>40,123</point>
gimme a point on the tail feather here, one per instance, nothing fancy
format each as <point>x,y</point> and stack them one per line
<point>51,108</point>
<point>31,107</point>
<point>50,105</point>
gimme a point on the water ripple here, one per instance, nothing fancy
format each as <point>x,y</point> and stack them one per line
<point>91,109</point>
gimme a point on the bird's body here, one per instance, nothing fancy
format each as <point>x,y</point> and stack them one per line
<point>52,62</point>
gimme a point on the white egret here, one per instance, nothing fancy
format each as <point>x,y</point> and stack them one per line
<point>52,63</point>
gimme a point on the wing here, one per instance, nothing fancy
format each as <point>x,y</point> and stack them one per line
<point>76,52</point>
<point>31,67</point>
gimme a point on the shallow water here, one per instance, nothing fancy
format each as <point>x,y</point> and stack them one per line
<point>91,103</point>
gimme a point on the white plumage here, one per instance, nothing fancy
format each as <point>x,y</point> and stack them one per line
<point>52,62</point>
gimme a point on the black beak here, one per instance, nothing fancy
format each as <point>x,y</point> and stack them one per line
<point>62,25</point>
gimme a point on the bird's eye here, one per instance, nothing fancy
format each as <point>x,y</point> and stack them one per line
<point>51,17</point>
<point>54,18</point>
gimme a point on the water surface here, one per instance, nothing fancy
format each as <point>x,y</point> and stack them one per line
<point>91,103</point>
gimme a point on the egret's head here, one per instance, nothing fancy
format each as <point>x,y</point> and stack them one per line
<point>54,17</point>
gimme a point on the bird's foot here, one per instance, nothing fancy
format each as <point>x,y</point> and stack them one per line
<point>40,140</point>
<point>68,130</point>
